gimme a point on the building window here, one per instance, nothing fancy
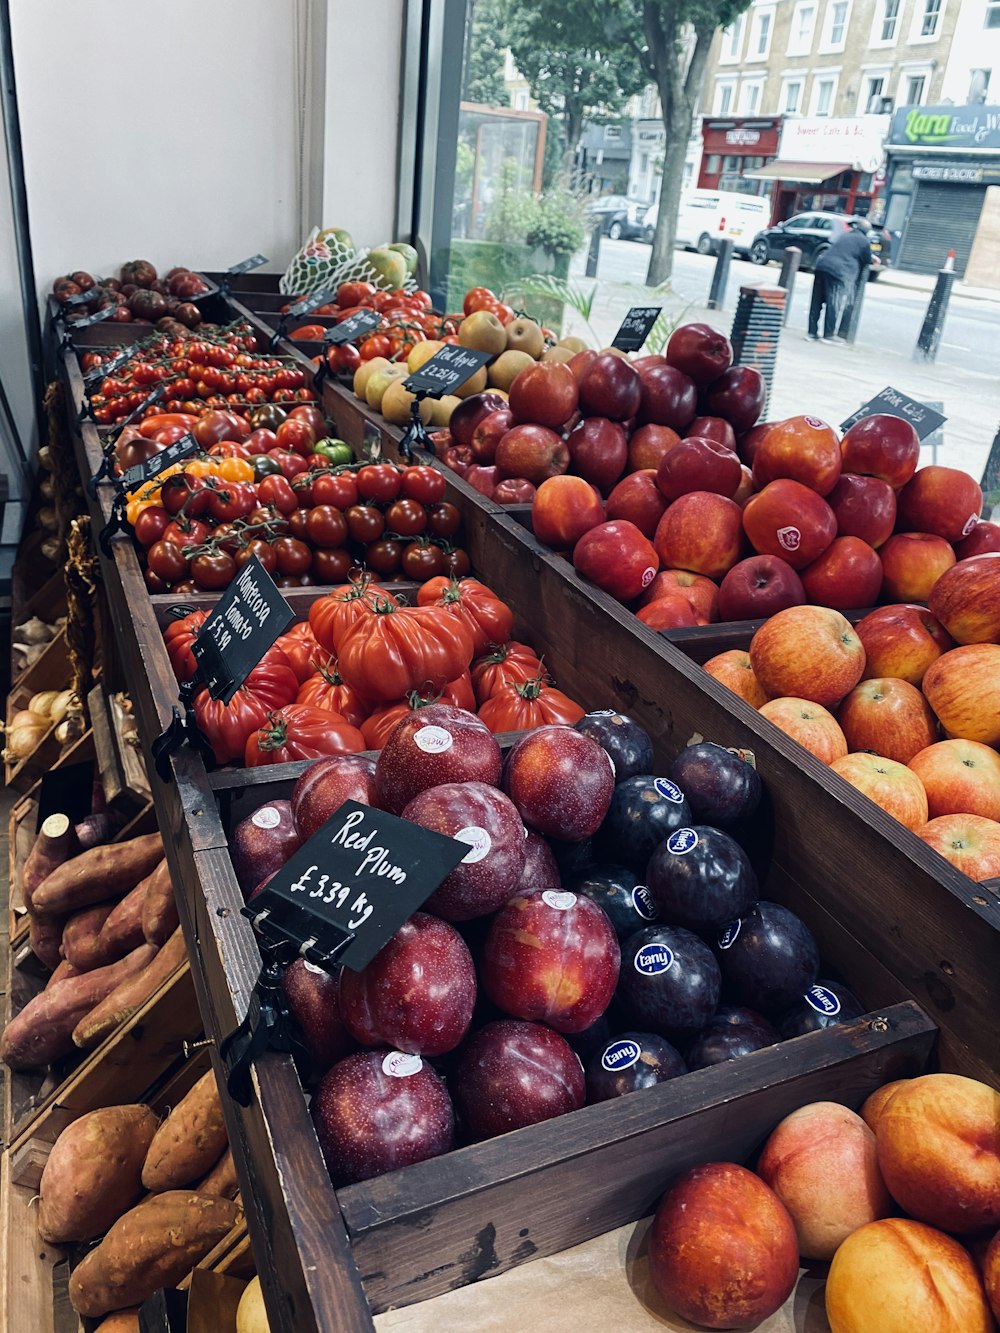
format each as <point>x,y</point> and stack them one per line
<point>713,164</point>
<point>750,95</point>
<point>916,86</point>
<point>979,85</point>
<point>732,40</point>
<point>873,94</point>
<point>823,90</point>
<point>760,34</point>
<point>932,15</point>
<point>838,23</point>
<point>792,100</point>
<point>801,35</point>
<point>723,97</point>
<point>992,14</point>
<point>644,164</point>
<point>890,20</point>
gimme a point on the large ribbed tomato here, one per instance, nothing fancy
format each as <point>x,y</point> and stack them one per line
<point>379,725</point>
<point>509,664</point>
<point>303,652</point>
<point>403,648</point>
<point>522,707</point>
<point>333,615</point>
<point>179,636</point>
<point>300,732</point>
<point>488,619</point>
<point>459,693</point>
<point>271,684</point>
<point>326,688</point>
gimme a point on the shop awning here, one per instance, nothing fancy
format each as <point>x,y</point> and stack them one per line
<point>809,173</point>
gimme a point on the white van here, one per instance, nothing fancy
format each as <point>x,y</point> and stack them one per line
<point>706,217</point>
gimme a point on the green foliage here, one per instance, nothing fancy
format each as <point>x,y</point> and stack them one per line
<point>484,55</point>
<point>558,226</point>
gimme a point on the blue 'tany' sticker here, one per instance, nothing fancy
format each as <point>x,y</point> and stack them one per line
<point>823,1001</point>
<point>643,903</point>
<point>728,937</point>
<point>621,1054</point>
<point>668,790</point>
<point>653,960</point>
<point>682,841</point>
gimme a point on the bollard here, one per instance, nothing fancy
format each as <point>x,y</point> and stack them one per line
<point>594,253</point>
<point>851,317</point>
<point>933,326</point>
<point>789,268</point>
<point>717,291</point>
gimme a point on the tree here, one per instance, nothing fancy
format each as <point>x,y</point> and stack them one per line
<point>670,40</point>
<point>485,43</point>
<point>572,71</point>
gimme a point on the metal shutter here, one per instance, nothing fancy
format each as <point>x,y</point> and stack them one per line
<point>942,218</point>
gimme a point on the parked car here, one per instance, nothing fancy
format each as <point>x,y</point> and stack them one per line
<point>706,217</point>
<point>621,218</point>
<point>813,234</point>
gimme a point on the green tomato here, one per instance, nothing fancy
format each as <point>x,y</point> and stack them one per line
<point>336,450</point>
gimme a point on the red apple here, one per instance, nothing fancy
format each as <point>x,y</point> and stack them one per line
<point>514,491</point>
<point>648,444</point>
<point>701,532</point>
<point>457,457</point>
<point>669,398</point>
<point>580,361</point>
<point>749,442</point>
<point>701,592</point>
<point>888,783</point>
<point>379,1110</point>
<point>670,612</point>
<point>326,785</point>
<point>513,1074</point>
<point>418,992</point>
<point>803,449</point>
<point>433,745</point>
<point>846,576</point>
<point>758,587</point>
<point>901,641</point>
<point>864,507</point>
<point>807,652</point>
<point>882,446</point>
<point>560,781</point>
<point>966,599</point>
<point>564,508</point>
<point>700,351</point>
<point>713,428</point>
<point>739,395</point>
<point>552,957</point>
<point>637,498</point>
<point>732,668</point>
<point>488,432</point>
<point>532,452</point>
<point>648,360</point>
<point>544,393</point>
<point>912,562</point>
<point>888,716</point>
<point>960,778</point>
<point>813,726</point>
<point>941,500</point>
<point>746,487</point>
<point>468,414</point>
<point>610,387</point>
<point>984,537</point>
<point>789,520</point>
<point>970,842</point>
<point>482,479</point>
<point>618,558</point>
<point>598,450</point>
<point>963,688</point>
<point>698,464</point>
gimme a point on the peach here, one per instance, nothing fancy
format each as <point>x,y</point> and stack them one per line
<point>871,1110</point>
<point>939,1151</point>
<point>822,1164</point>
<point>898,1276</point>
<point>722,1249</point>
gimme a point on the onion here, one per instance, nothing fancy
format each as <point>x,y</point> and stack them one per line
<point>23,733</point>
<point>42,702</point>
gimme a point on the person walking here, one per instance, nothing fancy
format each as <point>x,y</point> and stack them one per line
<point>836,277</point>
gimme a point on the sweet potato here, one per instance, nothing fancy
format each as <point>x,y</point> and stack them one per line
<point>189,1141</point>
<point>93,1172</point>
<point>122,932</point>
<point>122,1321</point>
<point>43,1031</point>
<point>63,972</point>
<point>45,936</point>
<point>103,872</point>
<point>80,936</point>
<point>56,843</point>
<point>134,991</point>
<point>159,911</point>
<point>154,1245</point>
<point>221,1182</point>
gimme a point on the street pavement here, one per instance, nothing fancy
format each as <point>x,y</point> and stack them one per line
<point>831,380</point>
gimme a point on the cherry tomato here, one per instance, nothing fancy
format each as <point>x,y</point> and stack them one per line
<point>265,466</point>
<point>186,532</point>
<point>343,359</point>
<point>262,515</point>
<point>379,481</point>
<point>290,464</point>
<point>425,484</point>
<point>154,583</point>
<point>478,298</point>
<point>260,441</point>
<point>264,552</point>
<point>277,492</point>
<point>364,523</point>
<point>326,526</point>
<point>233,499</point>
<point>376,344</point>
<point>331,566</point>
<point>354,293</point>
<point>229,449</point>
<point>183,494</point>
<point>339,489</point>
<point>213,571</point>
<point>226,538</point>
<point>312,416</point>
<point>443,520</point>
<point>407,518</point>
<point>150,524</point>
<point>298,524</point>
<point>166,562</point>
<point>384,556</point>
<point>422,560</point>
<point>456,564</point>
<point>293,557</point>
<point>308,333</point>
<point>213,427</point>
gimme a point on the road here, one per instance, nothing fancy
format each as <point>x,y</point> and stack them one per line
<point>892,316</point>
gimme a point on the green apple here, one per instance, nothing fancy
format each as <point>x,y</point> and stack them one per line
<point>408,253</point>
<point>390,266</point>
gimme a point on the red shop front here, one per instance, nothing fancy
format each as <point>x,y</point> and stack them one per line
<point>734,146</point>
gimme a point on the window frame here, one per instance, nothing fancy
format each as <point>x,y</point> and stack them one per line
<point>920,15</point>
<point>992,11</point>
<point>757,82</point>
<point>723,84</point>
<point>879,21</point>
<point>799,77</point>
<point>765,13</point>
<point>799,46</point>
<point>883,72</point>
<point>731,48</point>
<point>821,78</point>
<point>827,42</point>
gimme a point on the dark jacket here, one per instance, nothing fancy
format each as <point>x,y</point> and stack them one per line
<point>848,255</point>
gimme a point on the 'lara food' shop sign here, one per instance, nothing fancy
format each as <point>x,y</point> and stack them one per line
<point>946,126</point>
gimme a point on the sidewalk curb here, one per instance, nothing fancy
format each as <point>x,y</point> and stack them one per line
<point>886,279</point>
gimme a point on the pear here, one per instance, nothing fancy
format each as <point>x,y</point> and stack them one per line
<point>390,266</point>
<point>484,332</point>
<point>558,353</point>
<point>366,369</point>
<point>408,253</point>
<point>397,404</point>
<point>573,343</point>
<point>613,351</point>
<point>442,408</point>
<point>380,381</point>
<point>524,335</point>
<point>506,366</point>
<point>422,352</point>
<point>474,385</point>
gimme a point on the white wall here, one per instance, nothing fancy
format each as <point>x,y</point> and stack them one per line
<point>974,46</point>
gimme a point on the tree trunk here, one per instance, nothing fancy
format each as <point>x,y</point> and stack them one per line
<point>661,260</point>
<point>573,128</point>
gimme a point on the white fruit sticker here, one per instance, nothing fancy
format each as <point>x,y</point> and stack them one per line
<point>789,538</point>
<point>311,967</point>
<point>648,575</point>
<point>397,1064</point>
<point>479,842</point>
<point>970,523</point>
<point>266,817</point>
<point>432,740</point>
<point>560,900</point>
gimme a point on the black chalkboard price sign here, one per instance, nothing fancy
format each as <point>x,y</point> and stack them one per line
<point>152,467</point>
<point>353,327</point>
<point>253,262</point>
<point>247,619</point>
<point>635,327</point>
<point>96,318</point>
<point>446,371</point>
<point>109,367</point>
<point>924,419</point>
<point>310,303</point>
<point>355,882</point>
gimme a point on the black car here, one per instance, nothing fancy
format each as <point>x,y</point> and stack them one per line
<point>621,218</point>
<point>813,233</point>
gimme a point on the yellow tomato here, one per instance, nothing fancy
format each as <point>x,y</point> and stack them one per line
<point>235,469</point>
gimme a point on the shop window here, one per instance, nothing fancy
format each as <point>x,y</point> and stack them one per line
<point>890,20</point>
<point>931,18</point>
<point>612,131</point>
<point>803,21</point>
<point>992,14</point>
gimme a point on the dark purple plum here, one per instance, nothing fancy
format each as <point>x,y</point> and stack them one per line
<point>629,1062</point>
<point>768,958</point>
<point>597,1036</point>
<point>701,878</point>
<point>628,744</point>
<point>513,1074</point>
<point>572,858</point>
<point>644,810</point>
<point>541,870</point>
<point>312,998</point>
<point>380,1110</point>
<point>823,1005</point>
<point>721,788</point>
<point>622,895</point>
<point>669,981</point>
<point>730,1033</point>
